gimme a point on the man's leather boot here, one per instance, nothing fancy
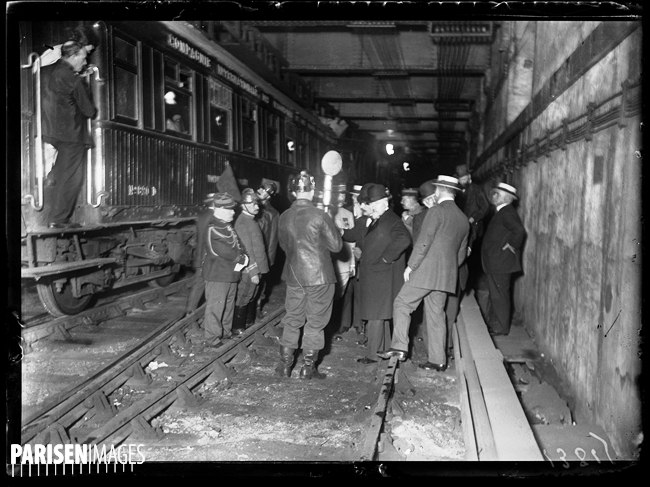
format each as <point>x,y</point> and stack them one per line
<point>286,362</point>
<point>239,320</point>
<point>309,370</point>
<point>251,313</point>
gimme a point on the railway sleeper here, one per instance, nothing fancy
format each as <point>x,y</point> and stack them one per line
<point>54,434</point>
<point>220,372</point>
<point>137,376</point>
<point>141,429</point>
<point>100,408</point>
<point>165,354</point>
<point>186,399</point>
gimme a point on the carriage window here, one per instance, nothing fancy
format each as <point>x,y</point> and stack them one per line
<point>178,98</point>
<point>125,80</point>
<point>220,110</point>
<point>249,118</point>
<point>125,51</point>
<point>272,122</point>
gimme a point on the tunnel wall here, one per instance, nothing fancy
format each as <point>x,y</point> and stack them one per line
<point>580,292</point>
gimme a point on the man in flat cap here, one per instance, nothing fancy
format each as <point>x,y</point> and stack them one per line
<point>501,257</point>
<point>308,236</point>
<point>381,270</point>
<point>432,272</point>
<point>224,259</point>
<point>251,236</point>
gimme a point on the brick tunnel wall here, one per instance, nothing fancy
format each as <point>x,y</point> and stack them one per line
<point>580,292</point>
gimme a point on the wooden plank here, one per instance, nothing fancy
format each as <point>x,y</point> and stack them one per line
<point>513,435</point>
<point>485,445</point>
<point>465,411</point>
<point>372,436</point>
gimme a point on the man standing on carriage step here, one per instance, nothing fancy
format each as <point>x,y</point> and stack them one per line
<point>224,259</point>
<point>66,108</point>
<point>309,237</point>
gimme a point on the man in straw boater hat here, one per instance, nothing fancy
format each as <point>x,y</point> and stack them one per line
<point>308,236</point>
<point>381,267</point>
<point>501,257</point>
<point>432,273</point>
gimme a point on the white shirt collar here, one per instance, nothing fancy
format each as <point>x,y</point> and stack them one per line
<point>501,206</point>
<point>445,198</point>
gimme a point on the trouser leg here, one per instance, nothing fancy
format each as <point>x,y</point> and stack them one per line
<point>434,308</point>
<point>197,290</point>
<point>216,297</point>
<point>294,319</point>
<point>68,173</point>
<point>318,311</point>
<point>499,286</point>
<point>378,337</point>
<point>405,303</point>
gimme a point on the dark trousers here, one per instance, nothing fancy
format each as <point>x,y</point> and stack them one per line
<point>343,307</point>
<point>196,292</point>
<point>68,173</point>
<point>219,309</point>
<point>499,303</point>
<point>246,290</point>
<point>308,307</point>
<point>378,332</point>
<point>405,303</point>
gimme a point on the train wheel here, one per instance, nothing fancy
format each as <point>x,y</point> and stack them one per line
<point>61,303</point>
<point>161,281</point>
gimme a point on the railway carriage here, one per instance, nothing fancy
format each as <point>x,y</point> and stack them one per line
<point>174,109</point>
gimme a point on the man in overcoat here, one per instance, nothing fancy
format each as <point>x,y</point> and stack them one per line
<point>381,268</point>
<point>501,256</point>
<point>308,237</point>
<point>432,273</point>
<point>251,236</point>
<point>66,108</point>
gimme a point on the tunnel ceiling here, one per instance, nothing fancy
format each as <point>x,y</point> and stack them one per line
<point>412,83</point>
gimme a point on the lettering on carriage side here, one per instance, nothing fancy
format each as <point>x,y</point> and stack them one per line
<point>239,81</point>
<point>184,48</point>
<point>212,178</point>
<point>138,190</point>
<point>288,113</point>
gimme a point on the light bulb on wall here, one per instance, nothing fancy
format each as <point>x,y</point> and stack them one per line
<point>389,149</point>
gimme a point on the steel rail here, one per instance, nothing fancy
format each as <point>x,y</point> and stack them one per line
<point>35,330</point>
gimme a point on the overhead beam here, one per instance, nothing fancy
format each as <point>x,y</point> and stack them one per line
<point>397,118</point>
<point>390,99</point>
<point>386,71</point>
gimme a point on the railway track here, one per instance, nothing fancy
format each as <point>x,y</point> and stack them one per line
<point>183,401</point>
<point>43,326</point>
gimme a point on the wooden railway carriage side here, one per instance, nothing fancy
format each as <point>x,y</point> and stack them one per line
<point>173,112</point>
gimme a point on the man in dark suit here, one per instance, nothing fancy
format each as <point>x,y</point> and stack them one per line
<point>432,272</point>
<point>381,268</point>
<point>66,108</point>
<point>501,256</point>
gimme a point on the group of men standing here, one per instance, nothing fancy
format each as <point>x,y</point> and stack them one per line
<point>232,260</point>
<point>364,258</point>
